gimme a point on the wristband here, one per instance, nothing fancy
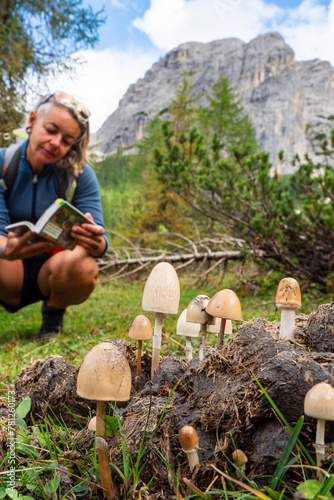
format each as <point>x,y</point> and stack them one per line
<point>2,254</point>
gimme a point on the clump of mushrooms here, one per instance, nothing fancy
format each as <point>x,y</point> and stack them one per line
<point>196,313</point>
<point>188,439</point>
<point>319,404</point>
<point>162,296</point>
<point>140,329</point>
<point>288,299</point>
<point>187,330</point>
<point>225,305</point>
<point>104,375</point>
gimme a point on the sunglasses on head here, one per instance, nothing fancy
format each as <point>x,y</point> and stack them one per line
<point>67,101</point>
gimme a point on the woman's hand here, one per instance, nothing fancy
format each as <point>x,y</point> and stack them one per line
<point>90,237</point>
<point>19,247</point>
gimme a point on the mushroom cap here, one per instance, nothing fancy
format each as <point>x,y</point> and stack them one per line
<point>141,328</point>
<point>188,438</point>
<point>239,457</point>
<point>225,304</point>
<point>319,402</point>
<point>215,328</point>
<point>92,424</point>
<point>288,294</point>
<point>196,312</point>
<point>104,374</point>
<point>162,290</point>
<point>185,328</point>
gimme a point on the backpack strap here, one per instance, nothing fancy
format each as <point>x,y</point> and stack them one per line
<point>10,167</point>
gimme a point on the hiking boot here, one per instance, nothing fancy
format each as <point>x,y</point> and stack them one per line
<point>52,321</point>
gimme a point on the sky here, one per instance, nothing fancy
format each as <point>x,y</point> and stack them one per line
<point>138,32</point>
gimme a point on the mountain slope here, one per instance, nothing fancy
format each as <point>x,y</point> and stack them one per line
<point>287,101</point>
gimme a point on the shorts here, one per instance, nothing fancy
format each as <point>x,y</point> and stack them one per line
<point>30,291</point>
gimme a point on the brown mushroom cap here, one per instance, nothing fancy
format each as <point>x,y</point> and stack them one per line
<point>185,328</point>
<point>162,290</point>
<point>104,374</point>
<point>239,457</point>
<point>141,328</point>
<point>288,294</point>
<point>188,438</point>
<point>196,312</point>
<point>319,402</point>
<point>225,304</point>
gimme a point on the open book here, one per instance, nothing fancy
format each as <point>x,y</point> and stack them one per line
<point>54,224</point>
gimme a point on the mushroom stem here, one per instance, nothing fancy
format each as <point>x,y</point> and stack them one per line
<point>156,342</point>
<point>109,489</point>
<point>320,446</point>
<point>221,333</point>
<point>193,459</point>
<point>287,328</point>
<point>140,345</point>
<point>189,350</point>
<point>202,342</point>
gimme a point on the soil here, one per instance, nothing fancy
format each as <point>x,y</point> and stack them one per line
<point>220,397</point>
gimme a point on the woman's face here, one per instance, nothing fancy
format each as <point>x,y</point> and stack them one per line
<point>52,134</point>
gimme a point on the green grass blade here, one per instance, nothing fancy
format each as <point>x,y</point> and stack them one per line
<point>281,466</point>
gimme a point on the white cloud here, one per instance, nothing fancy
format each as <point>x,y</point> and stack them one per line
<point>104,78</point>
<point>308,29</point>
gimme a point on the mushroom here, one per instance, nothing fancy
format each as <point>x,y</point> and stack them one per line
<point>188,330</point>
<point>162,296</point>
<point>319,404</point>
<point>225,305</point>
<point>92,424</point>
<point>140,329</point>
<point>288,299</point>
<point>189,443</point>
<point>239,460</point>
<point>104,375</point>
<point>215,328</point>
<point>196,313</point>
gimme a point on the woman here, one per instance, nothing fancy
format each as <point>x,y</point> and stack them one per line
<point>58,131</point>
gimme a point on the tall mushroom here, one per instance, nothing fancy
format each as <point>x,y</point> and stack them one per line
<point>104,375</point>
<point>162,296</point>
<point>140,329</point>
<point>288,299</point>
<point>187,330</point>
<point>225,305</point>
<point>319,404</point>
<point>196,313</point>
<point>188,439</point>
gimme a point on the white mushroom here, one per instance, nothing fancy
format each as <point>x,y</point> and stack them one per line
<point>187,330</point>
<point>104,375</point>
<point>140,329</point>
<point>162,296</point>
<point>288,299</point>
<point>188,439</point>
<point>319,404</point>
<point>225,305</point>
<point>196,313</point>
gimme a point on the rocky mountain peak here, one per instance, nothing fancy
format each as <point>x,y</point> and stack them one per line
<point>288,101</point>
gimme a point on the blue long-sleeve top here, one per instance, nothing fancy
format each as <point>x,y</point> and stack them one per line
<point>33,194</point>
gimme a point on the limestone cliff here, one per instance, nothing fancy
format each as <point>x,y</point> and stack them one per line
<point>288,101</point>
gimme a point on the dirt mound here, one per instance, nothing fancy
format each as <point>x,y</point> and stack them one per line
<point>220,397</point>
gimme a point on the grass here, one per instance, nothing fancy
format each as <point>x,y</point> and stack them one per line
<point>108,314</point>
